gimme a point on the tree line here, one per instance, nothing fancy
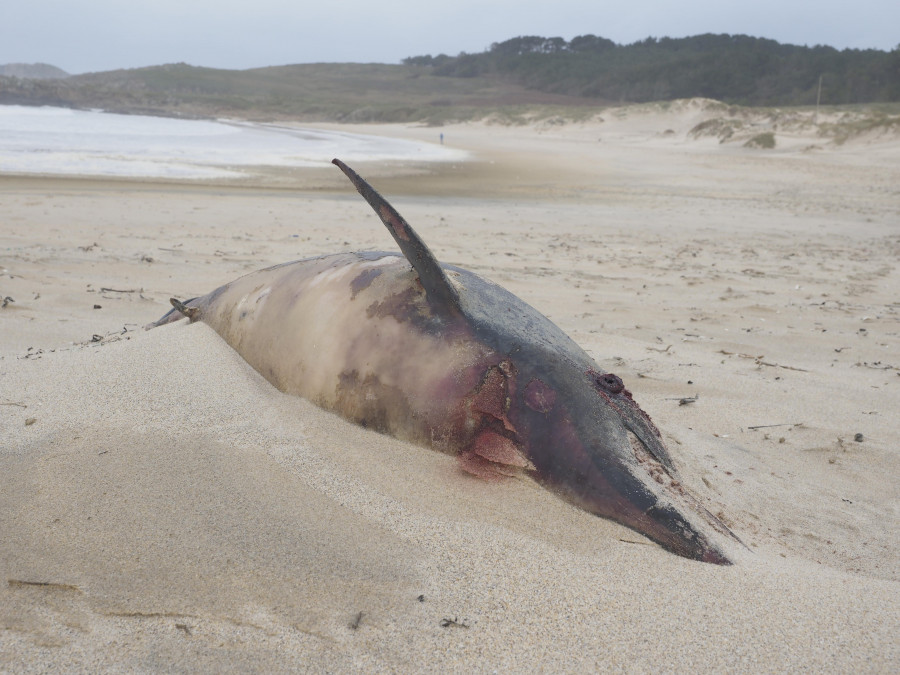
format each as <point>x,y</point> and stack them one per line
<point>733,68</point>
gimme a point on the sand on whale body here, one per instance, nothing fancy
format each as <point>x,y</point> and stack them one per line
<point>162,507</point>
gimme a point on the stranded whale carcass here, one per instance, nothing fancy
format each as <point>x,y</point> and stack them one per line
<point>436,355</point>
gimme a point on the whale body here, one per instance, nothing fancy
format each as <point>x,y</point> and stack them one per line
<point>437,355</point>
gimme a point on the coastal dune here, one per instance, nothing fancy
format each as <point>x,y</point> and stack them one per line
<point>162,507</point>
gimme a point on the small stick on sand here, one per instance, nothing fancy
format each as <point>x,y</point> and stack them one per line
<point>684,400</point>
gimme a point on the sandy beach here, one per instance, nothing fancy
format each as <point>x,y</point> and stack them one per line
<point>164,509</point>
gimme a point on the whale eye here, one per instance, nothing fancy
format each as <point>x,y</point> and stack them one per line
<point>610,383</point>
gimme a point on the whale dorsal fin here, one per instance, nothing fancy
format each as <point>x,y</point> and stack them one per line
<point>437,287</point>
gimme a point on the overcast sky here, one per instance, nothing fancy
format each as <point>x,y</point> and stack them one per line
<point>92,35</point>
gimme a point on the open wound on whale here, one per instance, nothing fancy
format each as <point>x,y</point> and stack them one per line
<point>436,355</point>
<point>495,451</point>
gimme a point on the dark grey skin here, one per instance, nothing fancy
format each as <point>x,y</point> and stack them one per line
<point>437,355</point>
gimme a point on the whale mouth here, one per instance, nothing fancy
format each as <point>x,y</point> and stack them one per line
<point>679,535</point>
<point>671,526</point>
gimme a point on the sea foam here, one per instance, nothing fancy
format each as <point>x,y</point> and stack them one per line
<point>60,141</point>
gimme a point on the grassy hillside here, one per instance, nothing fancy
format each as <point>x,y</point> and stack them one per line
<point>578,75</point>
<point>33,71</point>
<point>329,91</point>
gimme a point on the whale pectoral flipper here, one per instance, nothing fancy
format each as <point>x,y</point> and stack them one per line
<point>437,287</point>
<point>493,456</point>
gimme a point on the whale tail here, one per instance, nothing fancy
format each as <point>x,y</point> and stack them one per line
<point>179,311</point>
<point>190,312</point>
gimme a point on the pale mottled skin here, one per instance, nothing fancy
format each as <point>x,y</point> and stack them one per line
<point>310,332</point>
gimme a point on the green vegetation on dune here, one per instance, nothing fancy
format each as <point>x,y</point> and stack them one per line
<point>514,81</point>
<point>734,68</point>
<point>329,91</point>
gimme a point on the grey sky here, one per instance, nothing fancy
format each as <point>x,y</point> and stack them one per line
<point>92,35</point>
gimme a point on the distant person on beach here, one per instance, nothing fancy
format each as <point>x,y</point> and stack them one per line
<point>442,138</point>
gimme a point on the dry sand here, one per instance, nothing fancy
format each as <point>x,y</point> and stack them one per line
<point>163,508</point>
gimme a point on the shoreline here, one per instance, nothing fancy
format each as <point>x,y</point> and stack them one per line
<point>610,152</point>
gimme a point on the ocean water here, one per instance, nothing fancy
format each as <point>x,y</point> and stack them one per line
<point>59,141</point>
